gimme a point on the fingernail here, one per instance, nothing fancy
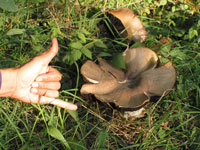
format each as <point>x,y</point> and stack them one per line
<point>33,90</point>
<point>35,84</point>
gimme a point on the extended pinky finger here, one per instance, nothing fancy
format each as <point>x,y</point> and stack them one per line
<point>57,102</point>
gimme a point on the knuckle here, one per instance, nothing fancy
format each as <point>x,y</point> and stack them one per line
<point>58,85</point>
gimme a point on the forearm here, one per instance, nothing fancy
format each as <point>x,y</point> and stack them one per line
<point>8,82</point>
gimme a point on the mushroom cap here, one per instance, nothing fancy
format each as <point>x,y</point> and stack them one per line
<point>159,81</point>
<point>104,77</point>
<point>125,97</point>
<point>135,28</point>
<point>139,59</point>
<point>93,73</point>
<point>142,80</point>
<point>136,92</point>
<point>117,73</point>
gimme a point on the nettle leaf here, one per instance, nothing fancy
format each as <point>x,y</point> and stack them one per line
<point>81,36</point>
<point>76,54</point>
<point>55,133</point>
<point>15,31</point>
<point>8,5</point>
<point>76,45</point>
<point>100,44</point>
<point>87,52</point>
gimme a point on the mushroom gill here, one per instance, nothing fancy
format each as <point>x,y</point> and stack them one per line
<point>134,88</point>
<point>132,27</point>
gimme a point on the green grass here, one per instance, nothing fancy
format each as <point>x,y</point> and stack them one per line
<point>26,29</point>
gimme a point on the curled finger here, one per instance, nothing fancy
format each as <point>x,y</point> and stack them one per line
<point>45,92</point>
<point>46,85</point>
<point>52,75</point>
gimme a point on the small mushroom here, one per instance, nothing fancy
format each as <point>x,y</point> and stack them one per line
<point>130,25</point>
<point>143,79</point>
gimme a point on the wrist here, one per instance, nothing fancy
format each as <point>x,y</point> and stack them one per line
<point>8,81</point>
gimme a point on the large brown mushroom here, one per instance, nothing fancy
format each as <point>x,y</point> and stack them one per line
<point>143,78</point>
<point>130,25</point>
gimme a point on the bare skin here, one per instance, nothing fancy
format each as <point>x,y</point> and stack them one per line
<point>35,82</point>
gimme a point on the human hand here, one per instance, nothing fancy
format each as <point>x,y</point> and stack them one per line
<point>38,83</point>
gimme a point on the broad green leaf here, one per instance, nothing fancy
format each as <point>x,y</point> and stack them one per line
<point>55,133</point>
<point>118,61</point>
<point>192,33</point>
<point>76,45</point>
<point>147,10</point>
<point>81,36</point>
<point>173,8</point>
<point>8,5</point>
<point>100,44</point>
<point>163,2</point>
<point>15,31</point>
<point>74,115</point>
<point>87,53</point>
<point>76,54</point>
<point>89,45</point>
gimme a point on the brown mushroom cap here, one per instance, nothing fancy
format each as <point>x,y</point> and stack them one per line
<point>125,97</point>
<point>117,73</point>
<point>132,23</point>
<point>134,89</point>
<point>139,59</point>
<point>159,80</point>
<point>103,76</point>
<point>93,73</point>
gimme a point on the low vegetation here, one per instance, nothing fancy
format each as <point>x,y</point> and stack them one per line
<point>170,122</point>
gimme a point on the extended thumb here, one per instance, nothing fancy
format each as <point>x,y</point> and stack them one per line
<point>49,54</point>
